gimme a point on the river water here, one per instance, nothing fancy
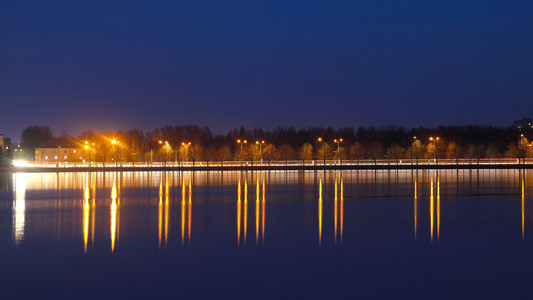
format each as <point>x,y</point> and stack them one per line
<point>295,234</point>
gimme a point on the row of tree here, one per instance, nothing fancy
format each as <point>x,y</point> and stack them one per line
<point>193,143</point>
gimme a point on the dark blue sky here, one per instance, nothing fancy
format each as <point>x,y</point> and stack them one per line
<point>120,64</point>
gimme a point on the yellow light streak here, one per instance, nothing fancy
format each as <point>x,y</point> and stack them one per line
<point>257,213</point>
<point>320,213</point>
<point>182,213</point>
<point>160,214</point>
<point>93,210</point>
<point>190,214</point>
<point>342,208</point>
<point>239,214</point>
<point>263,217</point>
<point>245,210</point>
<point>166,212</point>
<point>86,213</point>
<point>113,221</point>
<point>438,209</point>
<point>335,210</point>
<point>523,206</point>
<point>415,207</point>
<point>431,210</point>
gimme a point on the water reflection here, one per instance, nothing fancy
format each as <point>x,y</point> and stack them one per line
<point>415,205</point>
<point>113,215</point>
<point>239,213</point>
<point>242,210</point>
<point>342,209</point>
<point>66,204</point>
<point>19,207</point>
<point>523,204</point>
<point>320,213</point>
<point>86,212</point>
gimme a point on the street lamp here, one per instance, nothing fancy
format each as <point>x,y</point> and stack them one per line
<point>319,140</point>
<point>434,140</point>
<point>186,145</point>
<point>166,146</point>
<point>260,149</point>
<point>339,141</point>
<point>241,142</point>
<point>113,143</point>
<point>87,151</point>
<point>414,141</point>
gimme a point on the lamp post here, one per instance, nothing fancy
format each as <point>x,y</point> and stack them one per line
<point>241,143</point>
<point>339,141</point>
<point>434,147</point>
<point>186,145</point>
<point>319,140</point>
<point>87,152</point>
<point>316,147</point>
<point>260,149</point>
<point>113,143</point>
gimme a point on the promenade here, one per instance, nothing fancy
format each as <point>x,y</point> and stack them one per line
<point>278,166</point>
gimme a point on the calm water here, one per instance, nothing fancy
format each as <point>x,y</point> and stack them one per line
<point>301,234</point>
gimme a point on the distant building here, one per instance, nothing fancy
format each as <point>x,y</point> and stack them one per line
<point>58,151</point>
<point>6,149</point>
<point>525,123</point>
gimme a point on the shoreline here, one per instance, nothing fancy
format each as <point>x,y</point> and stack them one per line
<point>267,168</point>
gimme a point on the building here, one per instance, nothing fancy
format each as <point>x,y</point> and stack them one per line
<point>525,123</point>
<point>6,150</point>
<point>59,151</point>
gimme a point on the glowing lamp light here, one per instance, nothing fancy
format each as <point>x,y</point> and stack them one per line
<point>20,163</point>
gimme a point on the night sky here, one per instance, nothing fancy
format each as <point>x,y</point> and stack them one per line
<point>112,65</point>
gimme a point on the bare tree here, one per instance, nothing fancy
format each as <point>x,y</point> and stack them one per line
<point>396,152</point>
<point>357,151</point>
<point>453,151</point>
<point>224,154</point>
<point>306,152</point>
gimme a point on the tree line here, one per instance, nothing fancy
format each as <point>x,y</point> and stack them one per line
<point>194,143</point>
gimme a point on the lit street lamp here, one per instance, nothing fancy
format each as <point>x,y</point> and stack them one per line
<point>165,148</point>
<point>260,149</point>
<point>339,141</point>
<point>434,147</point>
<point>186,145</point>
<point>113,143</point>
<point>243,142</point>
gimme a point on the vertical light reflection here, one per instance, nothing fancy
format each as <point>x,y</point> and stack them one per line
<point>190,214</point>
<point>342,208</point>
<point>86,211</point>
<point>166,212</point>
<point>160,213</point>
<point>113,221</point>
<point>335,210</point>
<point>239,213</point>
<point>431,210</point>
<point>19,207</point>
<point>523,205</point>
<point>183,213</point>
<point>438,208</point>
<point>257,213</point>
<point>263,216</point>
<point>245,211</point>
<point>415,206</point>
<point>320,213</point>
<point>93,209</point>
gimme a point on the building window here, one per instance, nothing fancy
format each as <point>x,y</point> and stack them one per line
<point>65,157</point>
<point>74,150</point>
<point>55,157</point>
<point>46,157</point>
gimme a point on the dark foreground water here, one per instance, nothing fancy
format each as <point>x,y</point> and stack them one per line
<point>368,234</point>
